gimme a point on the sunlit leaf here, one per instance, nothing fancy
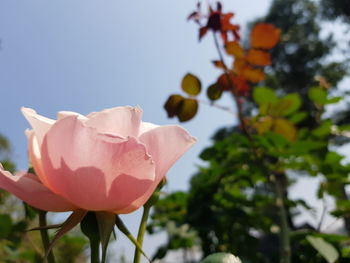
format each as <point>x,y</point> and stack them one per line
<point>234,48</point>
<point>253,75</point>
<point>285,128</point>
<point>264,36</point>
<point>290,103</point>
<point>187,109</point>
<point>263,124</point>
<point>239,65</point>
<point>172,105</point>
<point>214,91</point>
<point>191,84</point>
<point>263,95</point>
<point>258,57</point>
<point>328,252</point>
<point>318,95</point>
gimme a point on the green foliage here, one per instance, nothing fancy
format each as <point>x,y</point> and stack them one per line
<point>69,249</point>
<point>221,258</point>
<point>264,95</point>
<point>324,248</point>
<point>169,214</point>
<point>333,9</point>
<point>239,200</point>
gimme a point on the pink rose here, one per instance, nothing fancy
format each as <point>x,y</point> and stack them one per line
<point>105,161</point>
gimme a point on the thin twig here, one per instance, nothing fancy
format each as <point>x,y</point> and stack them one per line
<point>220,107</point>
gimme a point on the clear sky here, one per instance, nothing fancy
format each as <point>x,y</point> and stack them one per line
<point>87,55</point>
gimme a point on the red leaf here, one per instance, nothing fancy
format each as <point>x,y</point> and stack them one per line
<point>202,32</point>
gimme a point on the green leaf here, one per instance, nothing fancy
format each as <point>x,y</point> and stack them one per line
<point>291,103</point>
<point>105,222</point>
<point>187,109</point>
<point>214,91</point>
<point>172,105</point>
<point>221,258</point>
<point>75,218</point>
<point>323,130</point>
<point>263,95</point>
<point>333,100</point>
<point>298,117</point>
<point>333,158</point>
<point>89,227</point>
<point>121,226</point>
<point>191,84</point>
<point>5,225</point>
<point>318,95</point>
<point>328,252</point>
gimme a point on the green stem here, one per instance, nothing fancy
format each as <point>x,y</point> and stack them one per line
<point>45,236</point>
<point>141,233</point>
<point>95,251</point>
<point>285,249</point>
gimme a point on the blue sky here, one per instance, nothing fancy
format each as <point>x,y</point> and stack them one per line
<point>87,55</point>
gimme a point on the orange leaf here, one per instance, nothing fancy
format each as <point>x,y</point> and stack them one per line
<point>233,48</point>
<point>219,64</point>
<point>239,65</point>
<point>238,84</point>
<point>258,57</point>
<point>225,21</point>
<point>264,36</point>
<point>253,75</point>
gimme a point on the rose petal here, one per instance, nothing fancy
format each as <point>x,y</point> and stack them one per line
<point>92,170</point>
<point>122,121</point>
<point>40,124</point>
<point>27,188</point>
<point>63,114</point>
<point>166,145</point>
<point>147,126</point>
<point>35,156</point>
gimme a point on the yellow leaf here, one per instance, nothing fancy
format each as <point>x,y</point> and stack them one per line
<point>263,124</point>
<point>285,128</point>
<point>253,75</point>
<point>233,48</point>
